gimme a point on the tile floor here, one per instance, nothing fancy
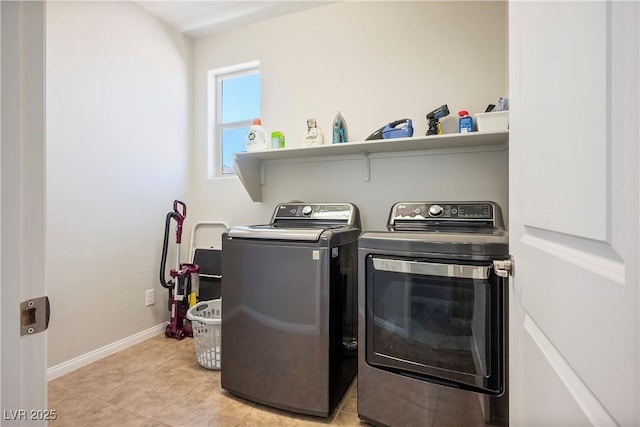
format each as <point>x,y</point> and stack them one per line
<point>159,383</point>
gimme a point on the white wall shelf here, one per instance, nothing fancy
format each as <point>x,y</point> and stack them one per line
<point>250,165</point>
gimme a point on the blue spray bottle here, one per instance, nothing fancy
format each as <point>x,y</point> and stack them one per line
<point>465,122</point>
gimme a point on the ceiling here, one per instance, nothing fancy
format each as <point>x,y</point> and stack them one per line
<point>200,18</point>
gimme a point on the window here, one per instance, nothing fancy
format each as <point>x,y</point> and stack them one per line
<point>234,101</point>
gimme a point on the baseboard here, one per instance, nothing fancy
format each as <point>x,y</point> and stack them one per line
<point>102,352</point>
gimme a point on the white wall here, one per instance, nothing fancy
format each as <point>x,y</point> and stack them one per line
<point>374,62</point>
<point>118,107</point>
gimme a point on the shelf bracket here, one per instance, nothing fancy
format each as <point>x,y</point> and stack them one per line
<point>365,167</point>
<point>263,174</point>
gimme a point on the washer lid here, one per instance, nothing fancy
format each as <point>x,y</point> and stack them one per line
<point>270,232</point>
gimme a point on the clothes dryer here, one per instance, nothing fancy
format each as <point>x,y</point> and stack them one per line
<point>433,317</point>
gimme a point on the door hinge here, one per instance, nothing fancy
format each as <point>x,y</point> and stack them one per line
<point>34,315</point>
<point>504,268</point>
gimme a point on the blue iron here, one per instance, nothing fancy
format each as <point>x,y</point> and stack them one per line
<point>340,134</point>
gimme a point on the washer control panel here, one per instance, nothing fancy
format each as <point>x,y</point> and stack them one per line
<point>338,212</point>
<point>434,213</point>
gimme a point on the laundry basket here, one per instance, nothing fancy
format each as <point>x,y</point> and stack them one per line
<point>206,322</point>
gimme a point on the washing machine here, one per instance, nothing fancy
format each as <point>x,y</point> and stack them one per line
<point>289,307</point>
<point>432,302</point>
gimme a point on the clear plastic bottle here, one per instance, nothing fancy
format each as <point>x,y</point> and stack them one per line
<point>257,137</point>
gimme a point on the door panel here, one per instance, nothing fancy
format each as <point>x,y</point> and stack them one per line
<point>550,401</point>
<point>23,359</point>
<point>574,189</point>
<point>590,334</point>
<point>565,104</point>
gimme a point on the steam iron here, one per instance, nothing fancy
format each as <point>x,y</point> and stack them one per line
<point>340,133</point>
<point>402,128</point>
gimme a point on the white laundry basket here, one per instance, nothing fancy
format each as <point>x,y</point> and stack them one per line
<point>206,322</point>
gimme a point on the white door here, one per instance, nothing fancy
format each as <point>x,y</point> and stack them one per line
<point>574,215</point>
<point>22,207</point>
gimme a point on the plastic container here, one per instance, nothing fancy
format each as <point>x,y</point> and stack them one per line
<point>494,121</point>
<point>206,322</point>
<point>314,134</point>
<point>257,137</point>
<point>465,122</point>
<point>277,139</point>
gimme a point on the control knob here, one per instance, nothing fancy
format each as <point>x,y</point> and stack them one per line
<point>307,210</point>
<point>435,210</point>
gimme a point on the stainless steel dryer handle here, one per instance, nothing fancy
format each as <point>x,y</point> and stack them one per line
<point>431,269</point>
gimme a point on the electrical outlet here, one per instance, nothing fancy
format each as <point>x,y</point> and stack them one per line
<point>149,297</point>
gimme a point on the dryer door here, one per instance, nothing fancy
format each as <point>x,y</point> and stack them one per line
<point>436,321</point>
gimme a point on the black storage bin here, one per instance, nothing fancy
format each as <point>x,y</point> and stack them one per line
<point>210,263</point>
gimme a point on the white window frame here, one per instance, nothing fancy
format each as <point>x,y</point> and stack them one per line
<point>214,128</point>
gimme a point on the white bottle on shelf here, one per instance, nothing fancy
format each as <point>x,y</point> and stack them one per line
<point>257,137</point>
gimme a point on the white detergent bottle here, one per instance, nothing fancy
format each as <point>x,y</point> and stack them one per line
<point>257,137</point>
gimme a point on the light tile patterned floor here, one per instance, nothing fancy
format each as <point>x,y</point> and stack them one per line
<point>159,383</point>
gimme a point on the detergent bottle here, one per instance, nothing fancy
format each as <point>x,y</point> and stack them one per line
<point>465,122</point>
<point>257,137</point>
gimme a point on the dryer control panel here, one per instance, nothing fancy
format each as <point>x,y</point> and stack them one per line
<point>444,214</point>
